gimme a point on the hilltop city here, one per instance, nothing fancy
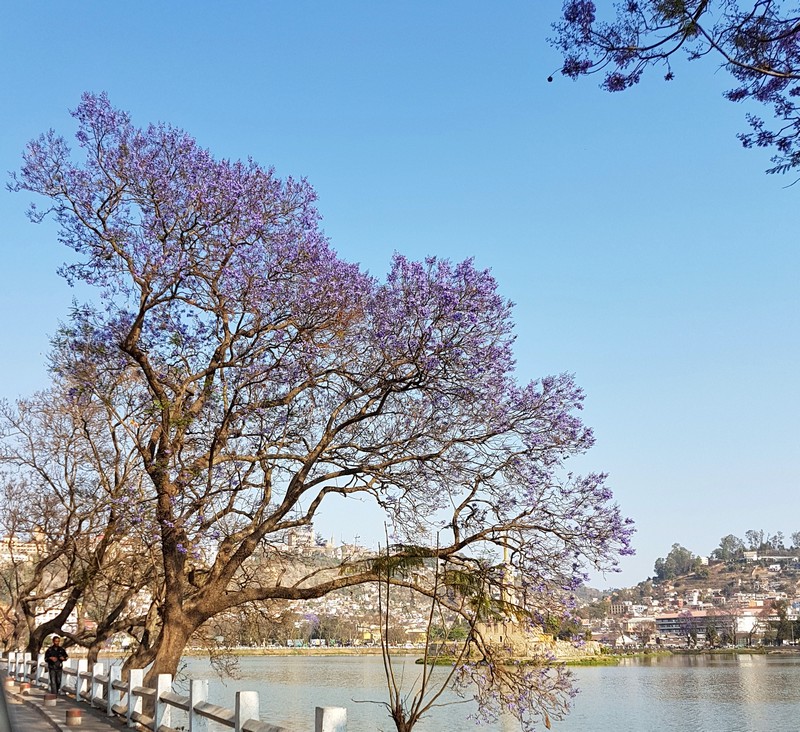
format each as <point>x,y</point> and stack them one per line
<point>740,595</point>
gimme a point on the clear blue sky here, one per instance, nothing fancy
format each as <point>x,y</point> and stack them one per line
<point>647,252</point>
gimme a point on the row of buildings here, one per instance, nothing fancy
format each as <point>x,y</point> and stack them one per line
<point>755,602</point>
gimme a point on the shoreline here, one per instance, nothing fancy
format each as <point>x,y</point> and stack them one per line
<point>599,660</point>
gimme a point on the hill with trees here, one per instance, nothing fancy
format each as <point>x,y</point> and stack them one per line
<point>747,592</point>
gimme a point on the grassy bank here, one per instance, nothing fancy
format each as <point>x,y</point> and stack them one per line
<point>604,660</point>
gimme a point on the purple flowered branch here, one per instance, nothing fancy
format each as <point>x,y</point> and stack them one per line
<point>758,42</point>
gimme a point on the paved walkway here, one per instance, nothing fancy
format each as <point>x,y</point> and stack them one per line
<point>27,713</point>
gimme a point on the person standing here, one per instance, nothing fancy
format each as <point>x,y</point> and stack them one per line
<point>55,657</point>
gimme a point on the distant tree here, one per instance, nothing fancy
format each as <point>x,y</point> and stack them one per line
<point>250,625</point>
<point>678,562</point>
<point>730,549</point>
<point>782,627</point>
<point>338,628</point>
<point>454,631</point>
<point>755,539</point>
<point>268,377</point>
<point>766,542</point>
<point>755,41</point>
<point>796,539</point>
<point>688,626</point>
<point>644,590</point>
<point>724,623</point>
<point>563,627</point>
<point>645,632</point>
<point>765,627</point>
<point>712,632</point>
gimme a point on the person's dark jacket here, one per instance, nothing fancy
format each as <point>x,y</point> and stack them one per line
<point>55,656</point>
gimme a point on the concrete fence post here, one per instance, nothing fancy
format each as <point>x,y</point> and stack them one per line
<point>198,692</point>
<point>330,719</point>
<point>162,714</point>
<point>135,679</point>
<point>95,687</point>
<point>246,708</point>
<point>66,674</point>
<point>41,672</point>
<point>112,694</point>
<point>80,684</point>
<point>26,667</point>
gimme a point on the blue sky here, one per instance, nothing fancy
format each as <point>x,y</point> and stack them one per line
<point>646,251</point>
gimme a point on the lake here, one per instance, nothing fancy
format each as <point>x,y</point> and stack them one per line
<point>721,693</point>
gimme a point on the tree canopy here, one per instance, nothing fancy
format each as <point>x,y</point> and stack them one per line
<point>756,41</point>
<point>256,374</point>
<point>679,561</point>
<point>71,524</point>
<point>730,548</point>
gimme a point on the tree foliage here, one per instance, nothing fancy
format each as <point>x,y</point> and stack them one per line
<point>678,562</point>
<point>782,626</point>
<point>69,491</point>
<point>760,540</point>
<point>257,375</point>
<point>756,41</point>
<point>730,549</point>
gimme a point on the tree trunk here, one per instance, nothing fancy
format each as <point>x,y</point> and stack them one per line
<point>170,649</point>
<point>170,645</point>
<point>94,650</point>
<point>403,724</point>
<point>37,638</point>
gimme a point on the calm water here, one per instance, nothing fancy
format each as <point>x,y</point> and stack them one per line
<point>686,694</point>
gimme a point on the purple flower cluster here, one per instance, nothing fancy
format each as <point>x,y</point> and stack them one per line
<point>581,13</point>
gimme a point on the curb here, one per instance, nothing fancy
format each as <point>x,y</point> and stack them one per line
<point>55,716</point>
<point>20,699</point>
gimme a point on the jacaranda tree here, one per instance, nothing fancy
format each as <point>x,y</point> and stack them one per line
<point>266,375</point>
<point>756,41</point>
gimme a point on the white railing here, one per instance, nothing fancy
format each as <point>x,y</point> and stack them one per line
<point>106,690</point>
